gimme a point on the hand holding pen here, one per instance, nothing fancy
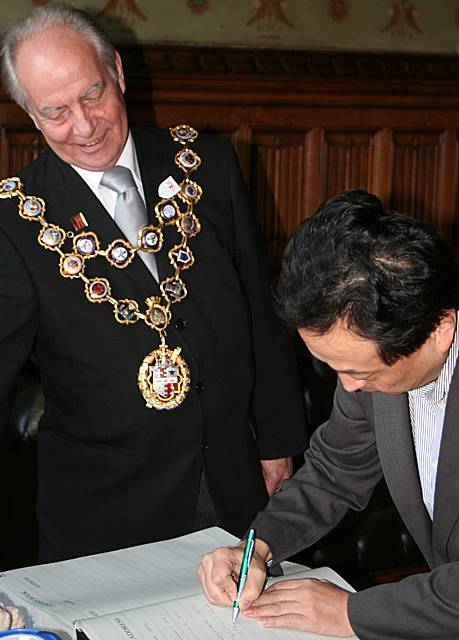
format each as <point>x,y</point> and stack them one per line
<point>246,559</point>
<point>218,568</point>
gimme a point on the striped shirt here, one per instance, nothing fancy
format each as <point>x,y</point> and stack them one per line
<point>427,413</point>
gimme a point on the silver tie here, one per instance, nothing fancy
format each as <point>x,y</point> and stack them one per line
<point>130,211</point>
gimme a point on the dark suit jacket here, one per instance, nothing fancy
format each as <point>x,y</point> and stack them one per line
<point>369,434</point>
<point>112,472</point>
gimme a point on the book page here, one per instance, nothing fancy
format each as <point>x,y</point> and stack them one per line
<point>193,618</point>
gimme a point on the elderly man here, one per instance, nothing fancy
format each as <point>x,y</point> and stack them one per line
<point>373,294</point>
<point>171,396</point>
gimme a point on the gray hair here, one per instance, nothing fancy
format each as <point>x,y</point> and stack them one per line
<point>54,15</point>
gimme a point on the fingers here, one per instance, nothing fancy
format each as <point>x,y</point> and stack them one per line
<point>255,582</point>
<point>274,610</point>
<point>271,487</point>
<point>307,604</point>
<point>217,572</point>
<point>289,621</point>
<point>277,601</point>
<point>275,471</point>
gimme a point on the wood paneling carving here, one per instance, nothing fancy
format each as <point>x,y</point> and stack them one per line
<point>305,125</point>
<point>420,175</point>
<point>348,160</point>
<point>278,181</point>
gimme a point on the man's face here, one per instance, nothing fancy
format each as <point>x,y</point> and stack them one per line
<point>73,99</point>
<point>359,366</point>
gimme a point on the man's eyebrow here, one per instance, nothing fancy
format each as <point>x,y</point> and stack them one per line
<point>49,109</point>
<point>356,372</point>
<point>100,84</point>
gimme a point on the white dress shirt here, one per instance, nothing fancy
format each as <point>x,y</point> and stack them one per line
<point>427,414</point>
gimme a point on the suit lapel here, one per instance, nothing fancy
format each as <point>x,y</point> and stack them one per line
<point>398,461</point>
<point>70,195</point>
<point>446,509</point>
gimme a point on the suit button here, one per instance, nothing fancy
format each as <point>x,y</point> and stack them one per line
<point>199,387</point>
<point>180,324</point>
<point>204,445</point>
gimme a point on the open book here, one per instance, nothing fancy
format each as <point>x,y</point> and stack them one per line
<point>148,592</point>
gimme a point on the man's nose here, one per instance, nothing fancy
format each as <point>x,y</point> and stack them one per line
<point>351,384</point>
<point>83,121</point>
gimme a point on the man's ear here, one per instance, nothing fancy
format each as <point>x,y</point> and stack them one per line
<point>34,120</point>
<point>120,72</point>
<point>444,333</point>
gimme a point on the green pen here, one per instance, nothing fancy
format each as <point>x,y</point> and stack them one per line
<point>246,558</point>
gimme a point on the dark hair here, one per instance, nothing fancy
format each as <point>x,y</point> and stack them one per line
<point>387,277</point>
<point>40,19</point>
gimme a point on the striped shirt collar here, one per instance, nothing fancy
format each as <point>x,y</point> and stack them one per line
<point>437,390</point>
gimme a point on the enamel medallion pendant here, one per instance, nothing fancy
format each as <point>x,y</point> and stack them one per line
<point>164,378</point>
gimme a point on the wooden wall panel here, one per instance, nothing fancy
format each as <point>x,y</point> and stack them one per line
<point>347,161</point>
<point>415,172</point>
<point>20,144</point>
<point>421,165</point>
<point>278,183</point>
